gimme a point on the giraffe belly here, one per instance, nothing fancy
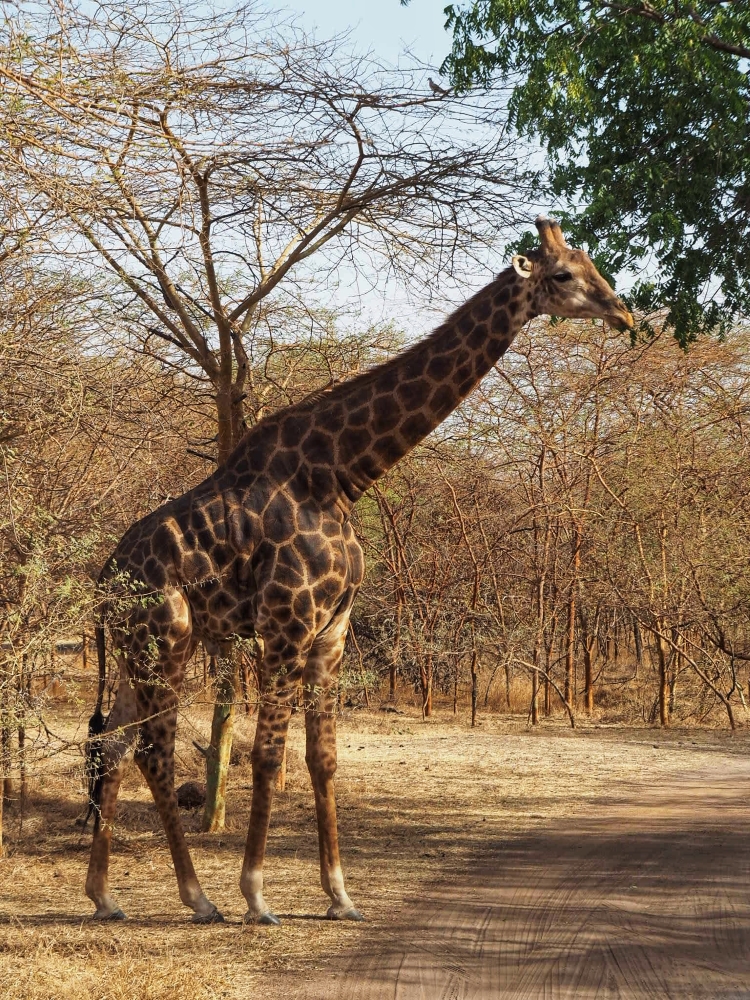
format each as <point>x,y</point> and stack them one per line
<point>221,609</point>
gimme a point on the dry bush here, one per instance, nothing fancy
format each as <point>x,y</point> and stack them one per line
<point>583,520</point>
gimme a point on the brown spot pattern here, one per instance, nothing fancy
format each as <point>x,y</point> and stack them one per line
<point>265,545</point>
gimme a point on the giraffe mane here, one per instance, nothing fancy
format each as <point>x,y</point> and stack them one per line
<point>339,390</point>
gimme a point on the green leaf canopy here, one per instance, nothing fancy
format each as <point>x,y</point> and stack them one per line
<point>643,109</point>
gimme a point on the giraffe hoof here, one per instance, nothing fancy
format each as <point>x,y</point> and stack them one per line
<point>351,914</point>
<point>117,914</point>
<point>268,918</point>
<point>214,917</point>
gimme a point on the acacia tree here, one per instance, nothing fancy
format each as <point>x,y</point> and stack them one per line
<point>614,487</point>
<point>78,433</point>
<point>586,507</point>
<point>643,110</point>
<point>674,545</point>
<point>212,168</point>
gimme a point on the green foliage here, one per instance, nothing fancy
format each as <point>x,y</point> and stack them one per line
<point>643,110</point>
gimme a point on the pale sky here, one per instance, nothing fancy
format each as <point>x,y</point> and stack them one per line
<point>390,32</point>
<point>383,26</point>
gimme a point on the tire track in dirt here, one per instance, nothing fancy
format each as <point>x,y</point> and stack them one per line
<point>647,898</point>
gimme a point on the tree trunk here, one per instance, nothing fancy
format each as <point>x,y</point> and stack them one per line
<point>588,645</point>
<point>549,643</point>
<point>571,637</point>
<point>676,659</point>
<point>425,672</point>
<point>663,682</point>
<point>24,685</point>
<point>473,687</point>
<point>230,428</point>
<point>673,692</point>
<point>5,752</point>
<point>245,683</point>
<point>23,787</point>
<point>281,776</point>
<point>589,681</point>
<point>570,653</point>
<point>507,683</point>
<point>427,704</point>
<point>395,653</point>
<point>220,747</point>
<point>638,647</point>
<point>538,638</point>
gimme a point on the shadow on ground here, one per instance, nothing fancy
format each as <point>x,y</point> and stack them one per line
<point>647,898</point>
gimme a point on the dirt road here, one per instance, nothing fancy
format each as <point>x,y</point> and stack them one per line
<point>490,862</point>
<point>646,894</point>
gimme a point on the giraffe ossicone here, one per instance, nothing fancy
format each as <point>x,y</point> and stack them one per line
<point>265,545</point>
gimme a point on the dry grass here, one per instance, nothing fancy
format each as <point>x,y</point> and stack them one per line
<point>417,802</point>
<point>65,964</point>
<point>626,696</point>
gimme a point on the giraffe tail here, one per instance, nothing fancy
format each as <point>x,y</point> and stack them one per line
<point>97,723</point>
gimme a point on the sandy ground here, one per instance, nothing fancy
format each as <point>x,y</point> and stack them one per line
<point>648,896</point>
<point>489,863</point>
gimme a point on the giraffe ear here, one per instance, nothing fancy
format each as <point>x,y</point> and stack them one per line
<point>522,265</point>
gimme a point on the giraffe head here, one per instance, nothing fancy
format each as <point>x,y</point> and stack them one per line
<point>566,283</point>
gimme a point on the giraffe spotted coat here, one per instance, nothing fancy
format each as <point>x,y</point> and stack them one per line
<point>265,545</point>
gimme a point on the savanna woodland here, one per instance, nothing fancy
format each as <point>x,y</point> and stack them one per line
<point>205,214</point>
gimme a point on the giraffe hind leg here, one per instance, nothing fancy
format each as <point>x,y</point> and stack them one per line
<point>161,645</point>
<point>94,766</point>
<point>110,749</point>
<point>319,682</point>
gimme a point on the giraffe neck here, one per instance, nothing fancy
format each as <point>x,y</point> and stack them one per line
<point>381,415</point>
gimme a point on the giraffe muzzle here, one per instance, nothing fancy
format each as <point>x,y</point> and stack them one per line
<point>621,319</point>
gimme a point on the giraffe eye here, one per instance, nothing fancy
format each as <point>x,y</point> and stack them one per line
<point>563,276</point>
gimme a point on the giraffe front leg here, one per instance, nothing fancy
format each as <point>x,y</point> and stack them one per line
<point>155,758</point>
<point>268,752</point>
<point>319,688</point>
<point>282,668</point>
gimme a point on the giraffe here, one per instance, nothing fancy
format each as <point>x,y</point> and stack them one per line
<point>265,545</point>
